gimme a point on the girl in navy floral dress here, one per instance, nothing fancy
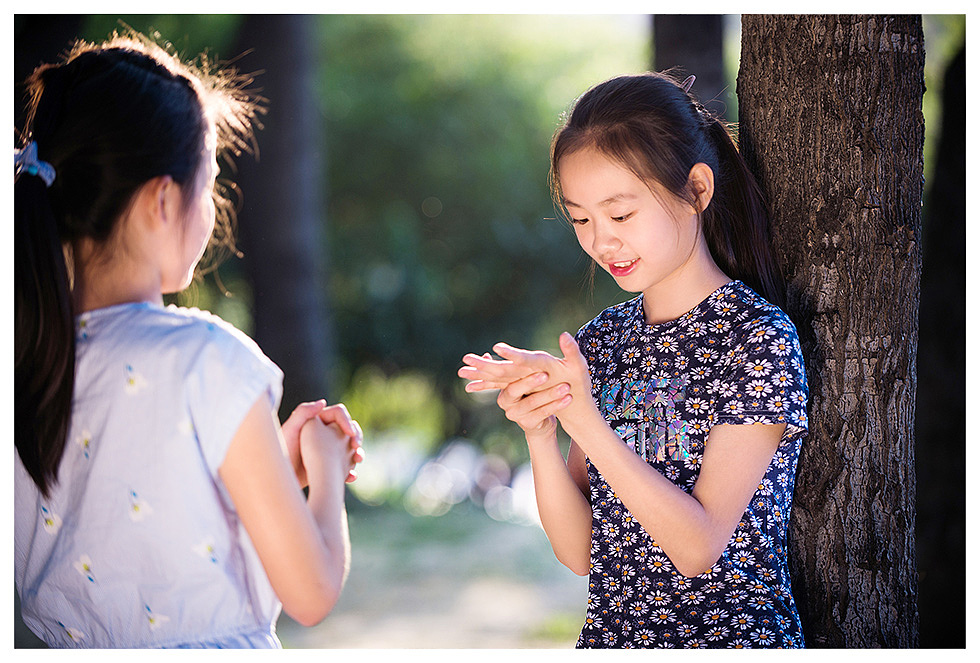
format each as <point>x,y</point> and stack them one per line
<point>687,404</point>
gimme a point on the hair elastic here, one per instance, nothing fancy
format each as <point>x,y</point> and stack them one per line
<point>26,161</point>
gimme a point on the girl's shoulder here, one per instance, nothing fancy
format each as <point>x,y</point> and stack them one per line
<point>752,312</point>
<point>612,319</point>
<point>165,331</point>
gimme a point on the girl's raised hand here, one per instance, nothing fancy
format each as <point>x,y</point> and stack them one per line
<point>333,414</point>
<point>486,373</point>
<point>532,407</point>
<point>518,374</point>
<point>338,414</point>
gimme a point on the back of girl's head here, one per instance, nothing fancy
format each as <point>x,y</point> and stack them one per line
<point>655,128</point>
<point>108,119</point>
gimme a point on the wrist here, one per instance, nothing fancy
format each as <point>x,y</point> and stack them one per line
<point>579,422</point>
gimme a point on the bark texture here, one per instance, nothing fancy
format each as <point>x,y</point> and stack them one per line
<point>831,123</point>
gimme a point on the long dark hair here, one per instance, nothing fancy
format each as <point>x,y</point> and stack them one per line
<point>654,127</point>
<point>109,118</point>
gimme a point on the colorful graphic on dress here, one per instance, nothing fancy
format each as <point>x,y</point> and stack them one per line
<point>648,418</point>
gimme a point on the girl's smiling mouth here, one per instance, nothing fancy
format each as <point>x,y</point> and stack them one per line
<point>622,268</point>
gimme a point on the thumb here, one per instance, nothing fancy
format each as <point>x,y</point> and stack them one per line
<point>569,348</point>
<point>304,411</point>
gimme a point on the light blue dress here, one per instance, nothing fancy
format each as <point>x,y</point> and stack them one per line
<point>139,544</point>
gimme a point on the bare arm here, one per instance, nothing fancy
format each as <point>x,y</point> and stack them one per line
<point>693,529</point>
<point>563,507</point>
<point>303,546</point>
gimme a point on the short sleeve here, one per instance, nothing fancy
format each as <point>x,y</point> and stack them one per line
<point>228,375</point>
<point>766,378</point>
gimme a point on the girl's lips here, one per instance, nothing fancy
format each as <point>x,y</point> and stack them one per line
<point>622,268</point>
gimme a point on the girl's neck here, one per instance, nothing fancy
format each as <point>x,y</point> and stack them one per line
<point>106,278</point>
<point>684,289</point>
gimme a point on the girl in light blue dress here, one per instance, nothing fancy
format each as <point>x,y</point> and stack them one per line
<point>158,501</point>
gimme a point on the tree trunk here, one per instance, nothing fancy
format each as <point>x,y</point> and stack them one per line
<point>693,44</point>
<point>831,123</point>
<point>281,221</point>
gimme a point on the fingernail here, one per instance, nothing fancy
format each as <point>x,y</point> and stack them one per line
<point>563,388</point>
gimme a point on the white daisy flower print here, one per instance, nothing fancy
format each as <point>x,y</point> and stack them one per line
<point>781,347</point>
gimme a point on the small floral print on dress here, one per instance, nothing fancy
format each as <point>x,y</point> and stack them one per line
<point>52,521</point>
<point>84,566</point>
<point>206,550</point>
<point>84,441</point>
<point>134,381</point>
<point>138,508</point>
<point>73,633</point>
<point>155,621</point>
<point>735,360</point>
<point>185,427</point>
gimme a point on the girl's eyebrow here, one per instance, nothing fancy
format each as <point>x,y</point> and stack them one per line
<point>608,201</point>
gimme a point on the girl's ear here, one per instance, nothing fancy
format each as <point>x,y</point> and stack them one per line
<point>159,200</point>
<point>701,181</point>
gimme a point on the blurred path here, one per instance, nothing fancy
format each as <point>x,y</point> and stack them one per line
<point>461,580</point>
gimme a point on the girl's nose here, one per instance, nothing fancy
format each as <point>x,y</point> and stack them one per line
<point>605,239</point>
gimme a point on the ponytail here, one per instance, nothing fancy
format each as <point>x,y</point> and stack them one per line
<point>652,125</point>
<point>44,336</point>
<point>736,222</point>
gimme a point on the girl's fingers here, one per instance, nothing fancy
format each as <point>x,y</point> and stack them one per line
<point>497,374</point>
<point>476,368</point>
<point>305,411</point>
<point>519,389</point>
<point>532,410</point>
<point>338,414</point>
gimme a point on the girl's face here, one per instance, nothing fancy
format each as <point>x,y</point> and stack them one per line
<point>645,241</point>
<point>198,221</point>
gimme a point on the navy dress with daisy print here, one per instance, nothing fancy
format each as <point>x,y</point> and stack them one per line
<point>733,359</point>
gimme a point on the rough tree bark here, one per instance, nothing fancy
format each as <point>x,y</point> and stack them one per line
<point>281,221</point>
<point>830,121</point>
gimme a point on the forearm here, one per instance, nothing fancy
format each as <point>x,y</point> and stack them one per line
<point>676,520</point>
<point>565,513</point>
<point>326,501</point>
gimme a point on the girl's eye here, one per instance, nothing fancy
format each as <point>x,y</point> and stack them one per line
<point>579,221</point>
<point>622,218</point>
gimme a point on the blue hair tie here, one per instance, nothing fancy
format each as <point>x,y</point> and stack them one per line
<point>26,161</point>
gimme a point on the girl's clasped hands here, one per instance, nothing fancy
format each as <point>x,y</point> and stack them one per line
<point>343,426</point>
<point>535,386</point>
